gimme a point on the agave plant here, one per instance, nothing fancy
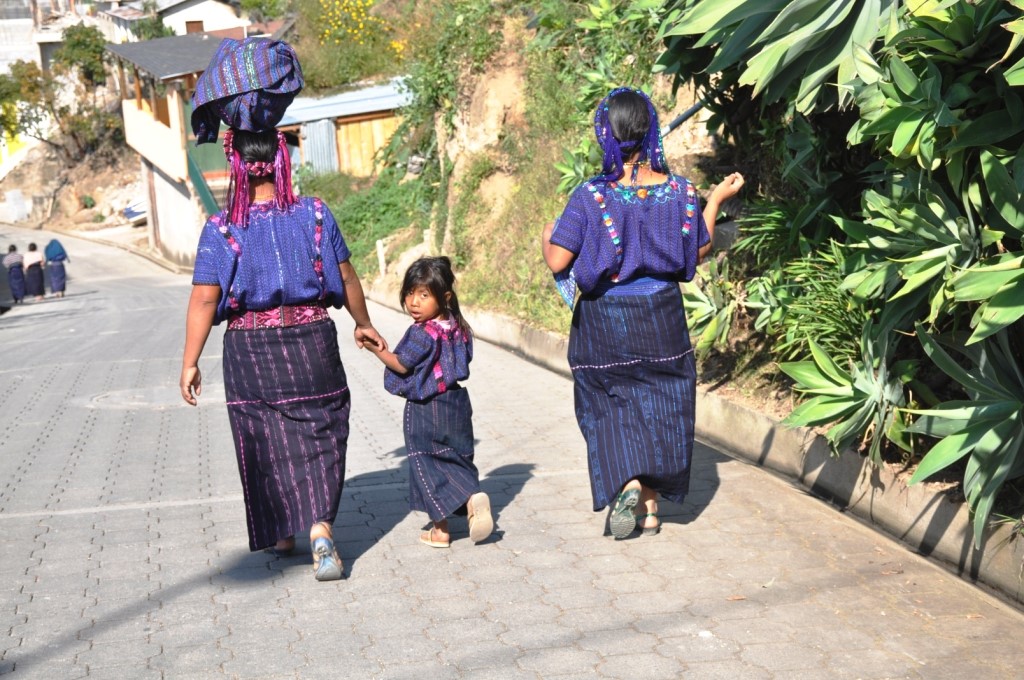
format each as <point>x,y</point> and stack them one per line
<point>710,307</point>
<point>782,48</point>
<point>988,427</point>
<point>914,239</point>
<point>862,401</point>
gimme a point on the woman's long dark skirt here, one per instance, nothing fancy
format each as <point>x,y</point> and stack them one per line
<point>439,443</point>
<point>288,403</point>
<point>58,277</point>
<point>635,387</point>
<point>16,279</point>
<point>34,280</point>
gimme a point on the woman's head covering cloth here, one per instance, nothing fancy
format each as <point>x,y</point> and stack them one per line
<point>248,86</point>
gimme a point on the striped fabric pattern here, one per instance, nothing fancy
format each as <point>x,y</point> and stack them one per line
<point>635,389</point>
<point>288,403</point>
<point>248,85</point>
<point>439,445</point>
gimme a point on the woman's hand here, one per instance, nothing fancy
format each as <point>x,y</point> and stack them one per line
<point>191,379</point>
<point>727,188</point>
<point>368,335</point>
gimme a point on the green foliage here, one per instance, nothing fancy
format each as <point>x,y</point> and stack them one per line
<point>798,50</point>
<point>264,10</point>
<point>455,37</point>
<point>987,428</point>
<point>861,401</point>
<point>818,309</point>
<point>710,306</point>
<point>151,26</point>
<point>344,41</point>
<point>480,167</point>
<point>925,227</point>
<point>34,102</point>
<point>84,51</point>
<point>371,212</point>
<point>588,50</point>
<point>579,164</point>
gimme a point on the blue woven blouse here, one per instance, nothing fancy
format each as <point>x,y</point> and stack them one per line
<point>621,233</point>
<point>437,354</point>
<point>284,257</point>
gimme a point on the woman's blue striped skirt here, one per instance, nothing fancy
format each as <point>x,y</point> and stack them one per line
<point>439,444</point>
<point>635,386</point>
<point>288,402</point>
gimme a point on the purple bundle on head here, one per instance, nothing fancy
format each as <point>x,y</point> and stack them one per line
<point>615,152</point>
<point>248,86</point>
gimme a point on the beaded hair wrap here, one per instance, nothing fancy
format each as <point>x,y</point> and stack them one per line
<point>241,170</point>
<point>651,147</point>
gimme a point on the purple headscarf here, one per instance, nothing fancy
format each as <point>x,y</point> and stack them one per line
<point>650,147</point>
<point>248,85</point>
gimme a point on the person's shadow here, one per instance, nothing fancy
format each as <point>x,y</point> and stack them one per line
<point>374,503</point>
<point>704,483</point>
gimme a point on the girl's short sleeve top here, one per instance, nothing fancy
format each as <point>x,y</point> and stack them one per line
<point>437,354</point>
<point>619,233</point>
<point>283,257</point>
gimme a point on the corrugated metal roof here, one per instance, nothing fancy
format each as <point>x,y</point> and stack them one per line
<point>166,58</point>
<point>385,97</point>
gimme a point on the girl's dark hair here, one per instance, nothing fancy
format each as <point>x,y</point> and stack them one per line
<point>31,246</point>
<point>436,274</point>
<point>256,146</point>
<point>629,118</point>
<point>12,248</point>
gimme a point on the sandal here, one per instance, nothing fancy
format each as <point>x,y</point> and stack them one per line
<point>327,564</point>
<point>427,538</point>
<point>481,524</point>
<point>622,521</point>
<point>648,531</point>
<point>282,552</point>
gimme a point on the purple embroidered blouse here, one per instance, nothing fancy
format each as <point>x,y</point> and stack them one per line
<point>284,257</point>
<point>622,233</point>
<point>437,354</point>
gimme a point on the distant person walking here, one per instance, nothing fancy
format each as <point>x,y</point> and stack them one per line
<point>625,240</point>
<point>14,263</point>
<point>56,256</point>
<point>428,367</point>
<point>34,285</point>
<point>271,265</point>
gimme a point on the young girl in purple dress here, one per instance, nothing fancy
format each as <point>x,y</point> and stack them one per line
<point>426,368</point>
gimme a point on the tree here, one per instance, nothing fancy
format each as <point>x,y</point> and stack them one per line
<point>152,26</point>
<point>84,51</point>
<point>263,10</point>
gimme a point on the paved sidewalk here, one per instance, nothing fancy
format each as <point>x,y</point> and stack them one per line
<point>125,555</point>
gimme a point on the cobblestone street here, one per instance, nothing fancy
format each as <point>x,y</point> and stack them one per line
<point>125,555</point>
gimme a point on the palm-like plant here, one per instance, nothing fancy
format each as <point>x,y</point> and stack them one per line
<point>988,426</point>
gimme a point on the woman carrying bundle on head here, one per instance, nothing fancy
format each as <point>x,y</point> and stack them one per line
<point>271,265</point>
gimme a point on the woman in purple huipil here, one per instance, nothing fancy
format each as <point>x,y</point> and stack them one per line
<point>625,240</point>
<point>271,265</point>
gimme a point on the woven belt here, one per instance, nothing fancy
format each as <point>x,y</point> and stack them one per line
<point>278,317</point>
